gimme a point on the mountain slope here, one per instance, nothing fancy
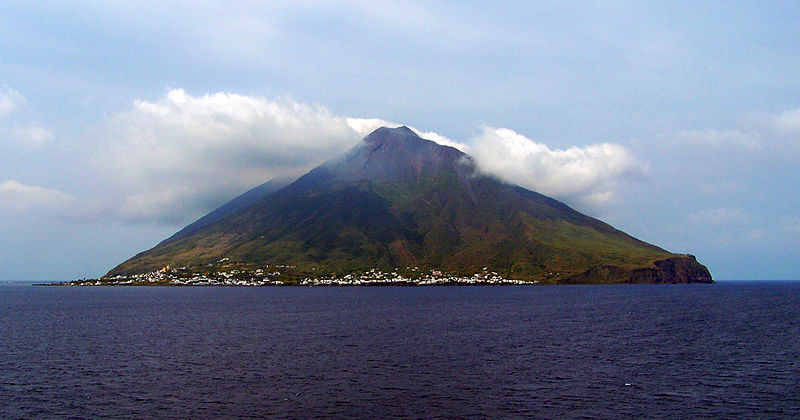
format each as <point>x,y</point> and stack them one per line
<point>397,200</point>
<point>241,201</point>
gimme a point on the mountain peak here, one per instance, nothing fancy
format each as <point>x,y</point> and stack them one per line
<point>395,153</point>
<point>404,141</point>
<point>387,154</point>
<point>384,136</point>
<point>383,132</point>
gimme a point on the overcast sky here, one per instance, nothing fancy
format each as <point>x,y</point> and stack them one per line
<point>121,122</point>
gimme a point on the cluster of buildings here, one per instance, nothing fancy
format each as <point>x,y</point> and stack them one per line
<point>378,278</point>
<point>226,275</point>
<point>184,277</point>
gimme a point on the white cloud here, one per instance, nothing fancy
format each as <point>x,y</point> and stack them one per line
<point>717,138</point>
<point>444,141</point>
<point>10,100</point>
<point>364,126</point>
<point>760,134</point>
<point>787,122</point>
<point>180,156</point>
<point>589,174</point>
<point>31,136</point>
<point>24,198</point>
<point>176,158</point>
<point>718,216</point>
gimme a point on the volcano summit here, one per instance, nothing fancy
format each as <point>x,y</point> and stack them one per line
<point>399,203</point>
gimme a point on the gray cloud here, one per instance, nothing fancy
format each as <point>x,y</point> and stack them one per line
<point>17,197</point>
<point>36,201</point>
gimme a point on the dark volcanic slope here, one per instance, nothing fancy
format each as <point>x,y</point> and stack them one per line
<point>396,200</point>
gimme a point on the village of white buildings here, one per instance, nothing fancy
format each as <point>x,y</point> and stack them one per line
<point>271,275</point>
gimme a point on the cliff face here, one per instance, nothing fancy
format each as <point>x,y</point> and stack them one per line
<point>678,269</point>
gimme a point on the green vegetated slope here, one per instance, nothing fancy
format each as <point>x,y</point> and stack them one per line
<point>396,200</point>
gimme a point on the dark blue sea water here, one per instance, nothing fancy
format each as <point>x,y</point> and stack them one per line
<point>726,350</point>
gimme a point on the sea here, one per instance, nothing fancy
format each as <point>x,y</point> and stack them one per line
<point>726,350</point>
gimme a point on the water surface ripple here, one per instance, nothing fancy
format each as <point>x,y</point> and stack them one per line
<point>725,350</point>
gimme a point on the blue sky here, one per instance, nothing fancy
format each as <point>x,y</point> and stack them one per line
<point>678,123</point>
